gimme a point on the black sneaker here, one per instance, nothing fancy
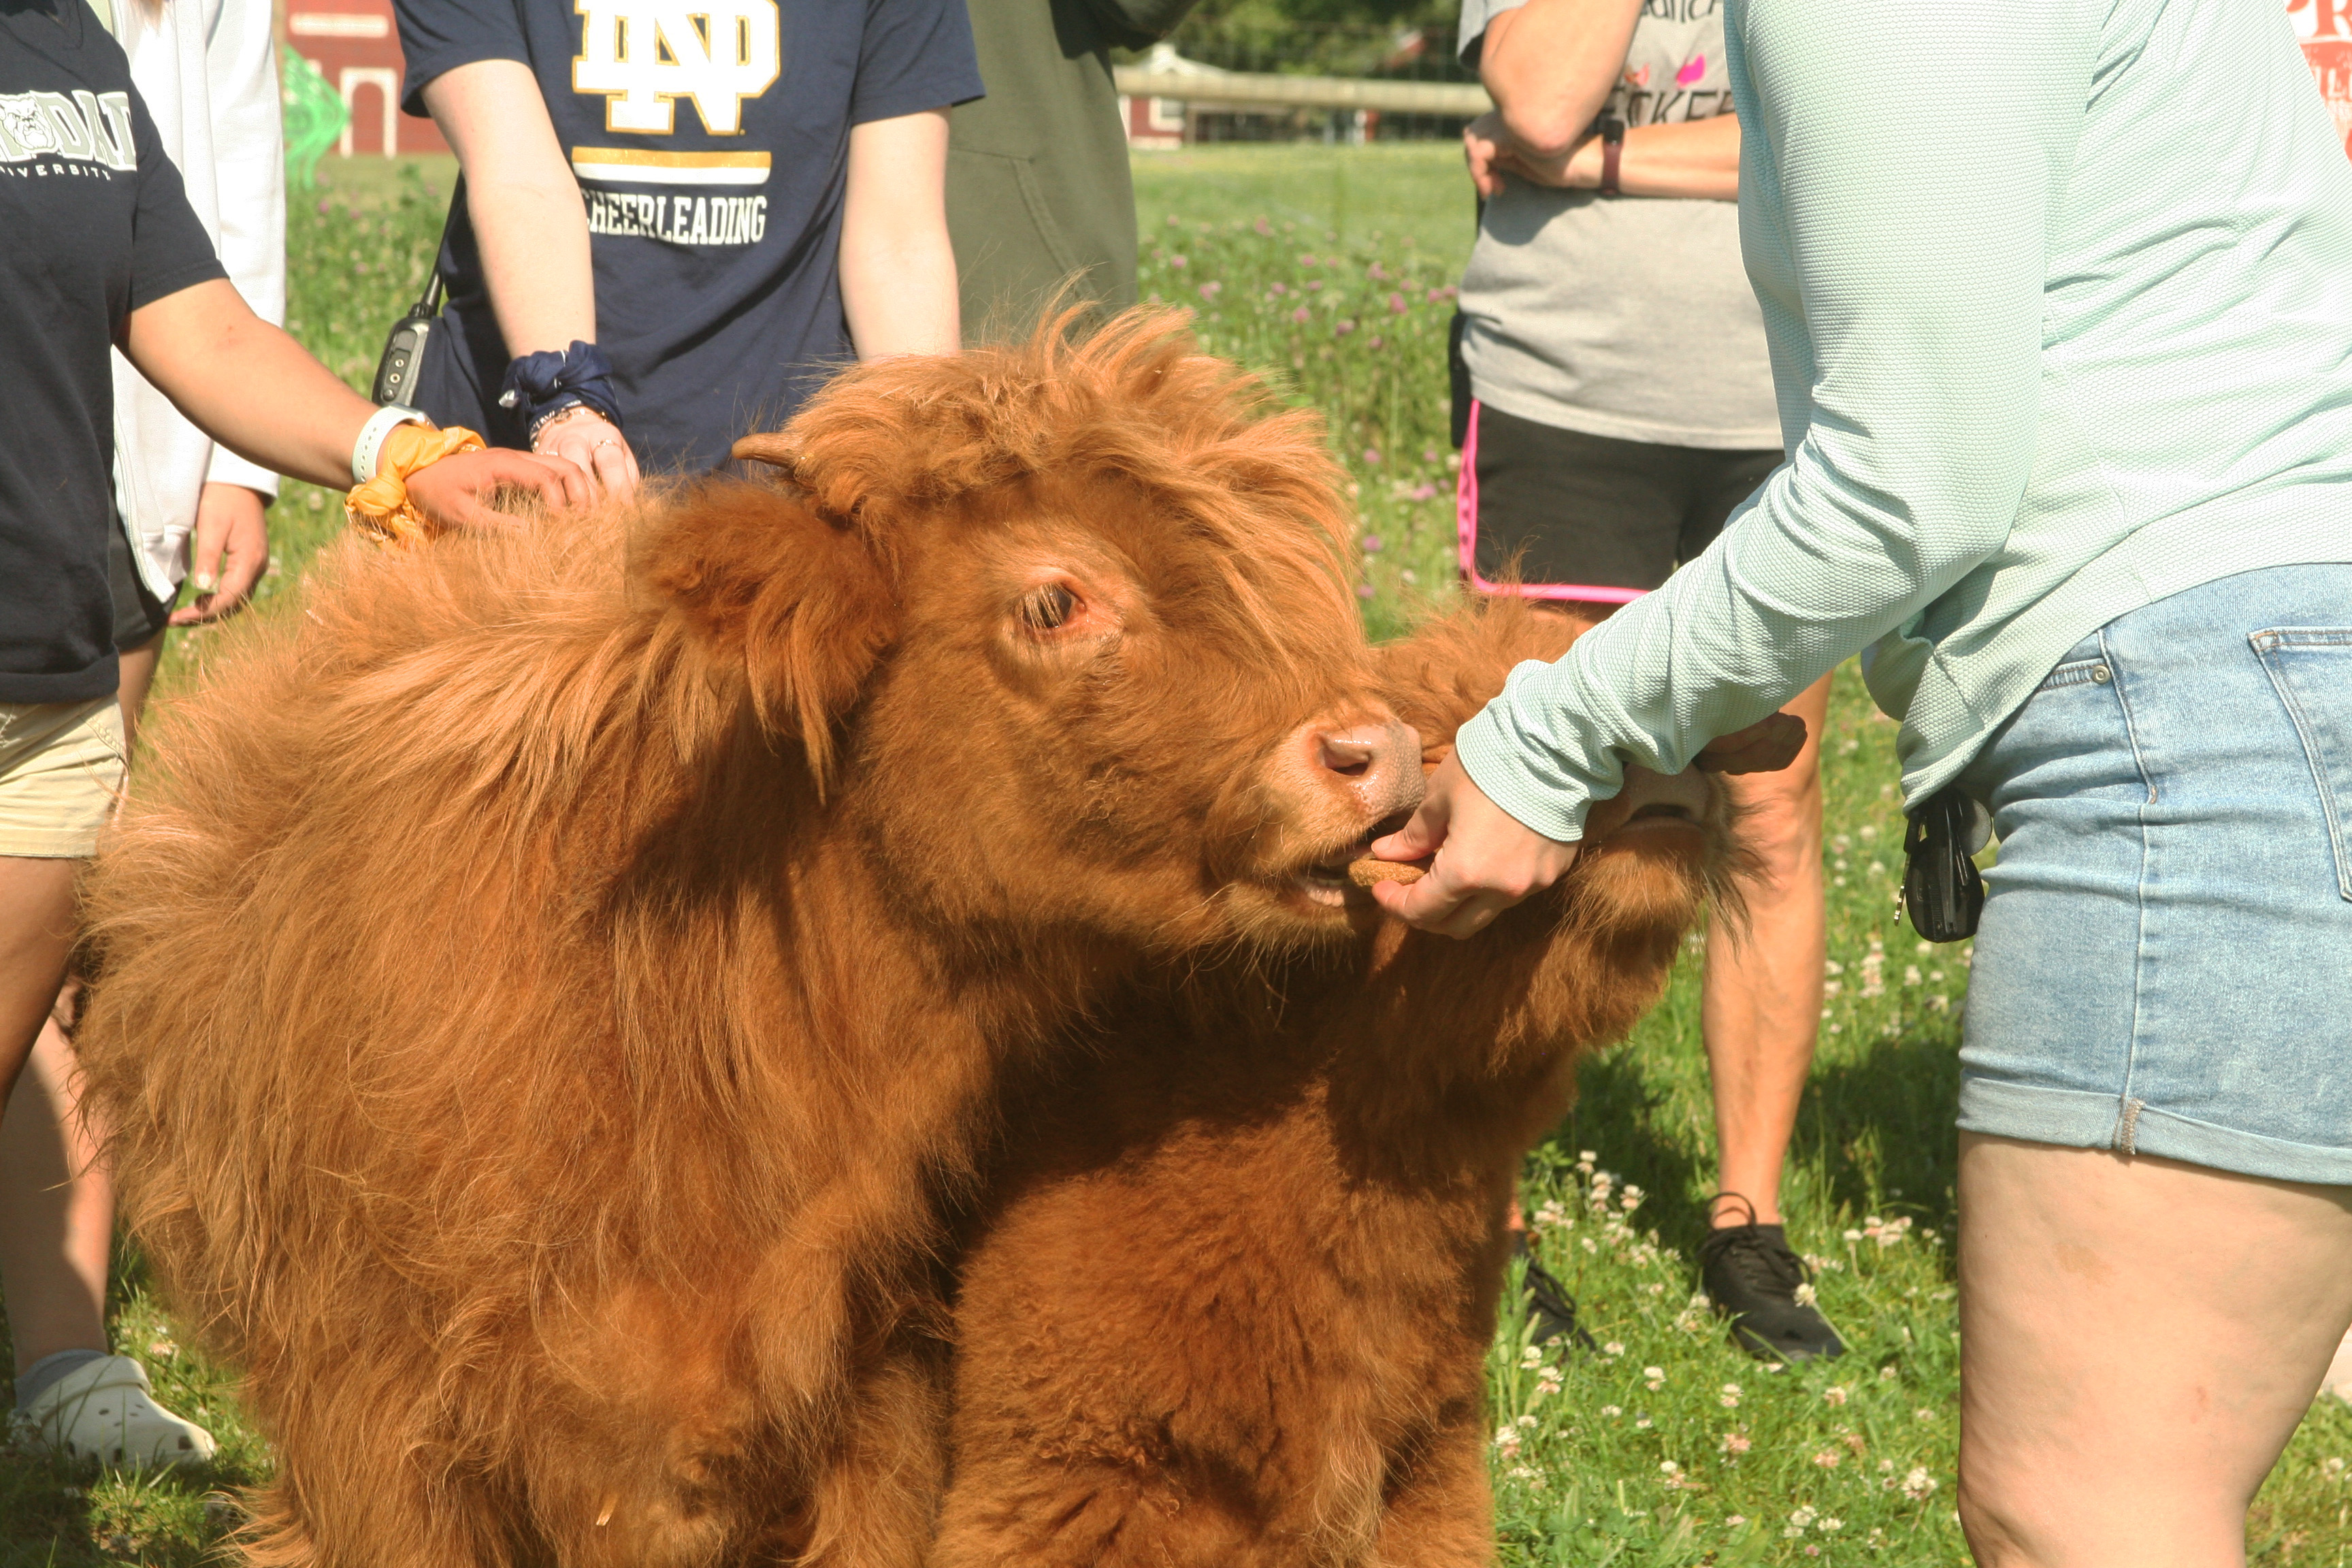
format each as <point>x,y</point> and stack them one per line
<point>1752,1278</point>
<point>1548,1302</point>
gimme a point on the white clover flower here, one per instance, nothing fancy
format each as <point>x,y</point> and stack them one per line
<point>1613,1410</point>
<point>1614,1347</point>
<point>1531,1357</point>
<point>1835,1395</point>
<point>1832,1524</point>
<point>1805,1295</point>
<point>1887,1373</point>
<point>1803,1518</point>
<point>1657,1372</point>
<point>1735,1442</point>
<point>1527,1422</point>
<point>1918,1484</point>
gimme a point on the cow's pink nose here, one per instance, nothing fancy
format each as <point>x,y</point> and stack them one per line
<point>1378,764</point>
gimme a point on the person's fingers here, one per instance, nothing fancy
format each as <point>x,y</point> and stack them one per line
<point>244,559</point>
<point>613,472</point>
<point>204,548</point>
<point>557,481</point>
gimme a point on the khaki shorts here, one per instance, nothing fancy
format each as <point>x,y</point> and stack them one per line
<point>60,769</point>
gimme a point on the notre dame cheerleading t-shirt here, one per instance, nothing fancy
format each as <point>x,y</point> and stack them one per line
<point>93,225</point>
<point>711,145</point>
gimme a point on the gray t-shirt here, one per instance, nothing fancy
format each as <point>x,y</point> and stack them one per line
<point>1625,316</point>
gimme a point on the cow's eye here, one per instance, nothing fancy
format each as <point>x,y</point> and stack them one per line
<point>1048,608</point>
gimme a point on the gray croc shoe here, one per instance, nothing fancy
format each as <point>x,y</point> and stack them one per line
<point>105,1410</point>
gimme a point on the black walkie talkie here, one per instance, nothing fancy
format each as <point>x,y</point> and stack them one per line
<point>1941,885</point>
<point>403,364</point>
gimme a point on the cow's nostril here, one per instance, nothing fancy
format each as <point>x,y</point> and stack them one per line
<point>1348,756</point>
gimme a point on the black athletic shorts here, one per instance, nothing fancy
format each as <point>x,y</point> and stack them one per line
<point>1559,514</point>
<point>138,614</point>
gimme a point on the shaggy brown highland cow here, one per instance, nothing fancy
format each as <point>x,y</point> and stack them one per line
<point>1231,1309</point>
<point>548,988</point>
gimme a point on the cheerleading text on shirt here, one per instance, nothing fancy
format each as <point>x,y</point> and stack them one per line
<point>678,218</point>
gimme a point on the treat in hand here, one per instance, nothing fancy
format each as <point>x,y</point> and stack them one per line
<point>1367,870</point>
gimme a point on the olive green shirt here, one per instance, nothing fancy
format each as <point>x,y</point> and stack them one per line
<point>1038,191</point>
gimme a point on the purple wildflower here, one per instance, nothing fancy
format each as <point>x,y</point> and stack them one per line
<point>1279,290</point>
<point>1372,544</point>
<point>1372,455</point>
<point>1299,314</point>
<point>1396,304</point>
<point>1344,328</point>
<point>1211,291</point>
<point>1176,261</point>
<point>1363,590</point>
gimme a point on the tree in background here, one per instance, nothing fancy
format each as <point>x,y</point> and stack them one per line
<point>1339,37</point>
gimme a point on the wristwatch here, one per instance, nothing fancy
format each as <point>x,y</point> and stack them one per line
<point>1613,149</point>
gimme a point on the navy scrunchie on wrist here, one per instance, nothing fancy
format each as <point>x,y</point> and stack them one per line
<point>547,383</point>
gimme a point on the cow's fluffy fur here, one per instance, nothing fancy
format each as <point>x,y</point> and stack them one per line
<point>545,986</point>
<point>1231,1305</point>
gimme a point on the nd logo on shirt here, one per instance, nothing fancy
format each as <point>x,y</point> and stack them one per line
<point>643,55</point>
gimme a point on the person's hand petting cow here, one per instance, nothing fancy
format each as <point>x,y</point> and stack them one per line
<point>117,257</point>
<point>1483,859</point>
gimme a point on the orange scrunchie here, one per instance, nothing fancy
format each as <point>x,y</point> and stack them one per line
<point>381,507</point>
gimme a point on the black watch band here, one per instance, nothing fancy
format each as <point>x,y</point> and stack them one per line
<point>1613,149</point>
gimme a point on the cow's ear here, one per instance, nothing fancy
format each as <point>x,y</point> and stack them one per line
<point>798,597</point>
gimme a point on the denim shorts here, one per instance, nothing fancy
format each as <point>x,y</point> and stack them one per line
<point>2165,963</point>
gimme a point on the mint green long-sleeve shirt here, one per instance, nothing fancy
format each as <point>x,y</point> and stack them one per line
<point>2058,295</point>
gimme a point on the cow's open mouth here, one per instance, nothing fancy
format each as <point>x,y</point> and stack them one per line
<point>1327,881</point>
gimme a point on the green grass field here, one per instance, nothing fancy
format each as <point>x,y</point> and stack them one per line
<point>1667,1446</point>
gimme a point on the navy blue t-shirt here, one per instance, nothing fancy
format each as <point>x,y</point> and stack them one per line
<point>711,145</point>
<point>93,226</point>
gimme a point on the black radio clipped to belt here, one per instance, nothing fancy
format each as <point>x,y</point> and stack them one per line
<point>1941,885</point>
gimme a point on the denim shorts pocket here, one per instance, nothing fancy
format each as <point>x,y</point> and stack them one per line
<point>2312,669</point>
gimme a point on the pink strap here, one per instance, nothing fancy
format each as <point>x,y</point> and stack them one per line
<point>1466,532</point>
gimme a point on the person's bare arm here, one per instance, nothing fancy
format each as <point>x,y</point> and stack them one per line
<point>1699,160</point>
<point>1549,64</point>
<point>254,390</point>
<point>532,232</point>
<point>897,269</point>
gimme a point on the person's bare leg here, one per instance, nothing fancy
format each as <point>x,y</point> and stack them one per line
<point>36,926</point>
<point>1760,997</point>
<point>2139,1339</point>
<point>138,674</point>
<point>56,1222</point>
